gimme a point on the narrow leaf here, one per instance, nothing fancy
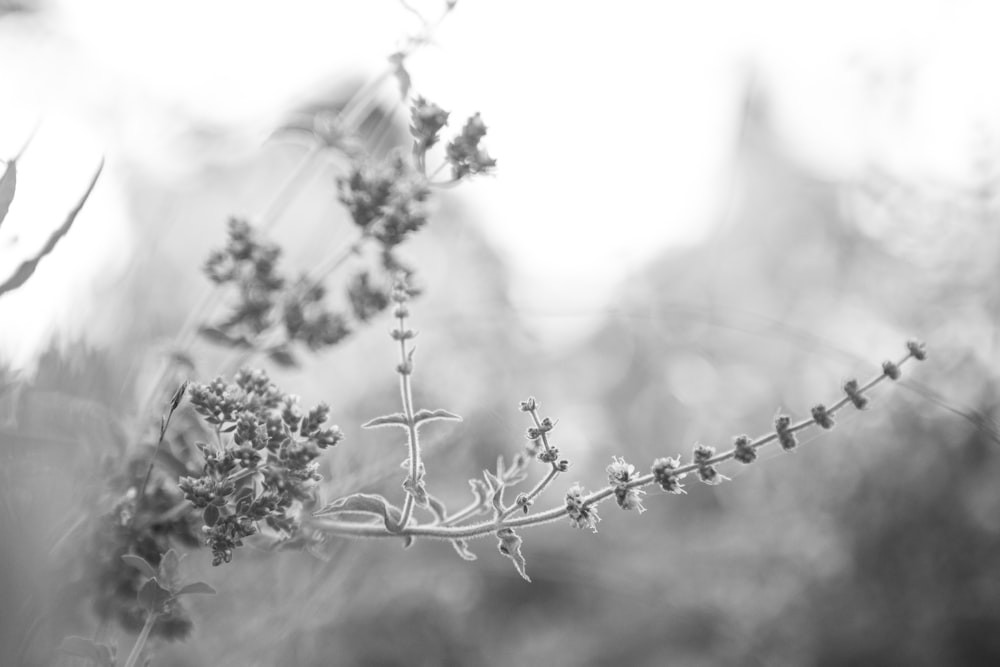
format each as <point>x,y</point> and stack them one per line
<point>395,419</point>
<point>152,596</point>
<point>27,268</point>
<point>510,546</point>
<point>496,488</point>
<point>437,507</point>
<point>365,503</point>
<point>8,184</point>
<point>140,563</point>
<point>462,547</point>
<point>433,415</point>
<point>197,587</point>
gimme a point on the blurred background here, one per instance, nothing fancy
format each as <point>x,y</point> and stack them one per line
<point>700,216</point>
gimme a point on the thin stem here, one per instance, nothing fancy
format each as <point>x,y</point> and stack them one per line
<point>406,393</point>
<point>140,641</point>
<point>450,532</point>
<point>534,493</point>
<point>156,450</point>
<point>471,509</point>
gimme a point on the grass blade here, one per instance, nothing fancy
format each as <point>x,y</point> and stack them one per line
<point>27,268</point>
<point>8,183</point>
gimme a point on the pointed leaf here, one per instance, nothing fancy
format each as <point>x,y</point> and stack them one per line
<point>243,499</point>
<point>169,568</point>
<point>462,547</point>
<point>82,647</point>
<point>196,587</point>
<point>8,184</point>
<point>437,507</point>
<point>27,267</point>
<point>480,491</point>
<point>510,546</point>
<point>365,503</point>
<point>152,596</point>
<point>496,488</point>
<point>395,419</point>
<point>433,415</point>
<point>140,563</point>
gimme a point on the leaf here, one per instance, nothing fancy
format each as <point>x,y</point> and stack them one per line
<point>365,503</point>
<point>243,499</point>
<point>395,419</point>
<point>211,515</point>
<point>152,596</point>
<point>481,491</point>
<point>8,184</point>
<point>82,647</point>
<point>437,507</point>
<point>283,357</point>
<point>220,337</point>
<point>510,546</point>
<point>496,488</point>
<point>462,547</point>
<point>169,568</point>
<point>195,588</point>
<point>434,415</point>
<point>27,267</point>
<point>141,564</point>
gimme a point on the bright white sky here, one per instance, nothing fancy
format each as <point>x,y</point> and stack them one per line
<point>613,122</point>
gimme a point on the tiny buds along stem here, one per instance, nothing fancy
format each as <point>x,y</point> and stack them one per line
<point>623,484</point>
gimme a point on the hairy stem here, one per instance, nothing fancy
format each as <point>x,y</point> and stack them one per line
<point>450,532</point>
<point>406,394</point>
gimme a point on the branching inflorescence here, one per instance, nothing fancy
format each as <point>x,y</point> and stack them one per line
<point>625,485</point>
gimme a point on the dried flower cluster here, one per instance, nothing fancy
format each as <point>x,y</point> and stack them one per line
<point>270,310</point>
<point>265,464</point>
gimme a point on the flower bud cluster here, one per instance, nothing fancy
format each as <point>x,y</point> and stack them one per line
<point>266,300</point>
<point>385,200</point>
<point>620,475</point>
<point>466,156</point>
<point>428,119</point>
<point>580,514</point>
<point>270,440</point>
<point>663,473</point>
<point>707,473</point>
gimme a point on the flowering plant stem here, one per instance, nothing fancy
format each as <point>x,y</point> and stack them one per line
<point>140,641</point>
<point>406,394</point>
<point>448,530</point>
